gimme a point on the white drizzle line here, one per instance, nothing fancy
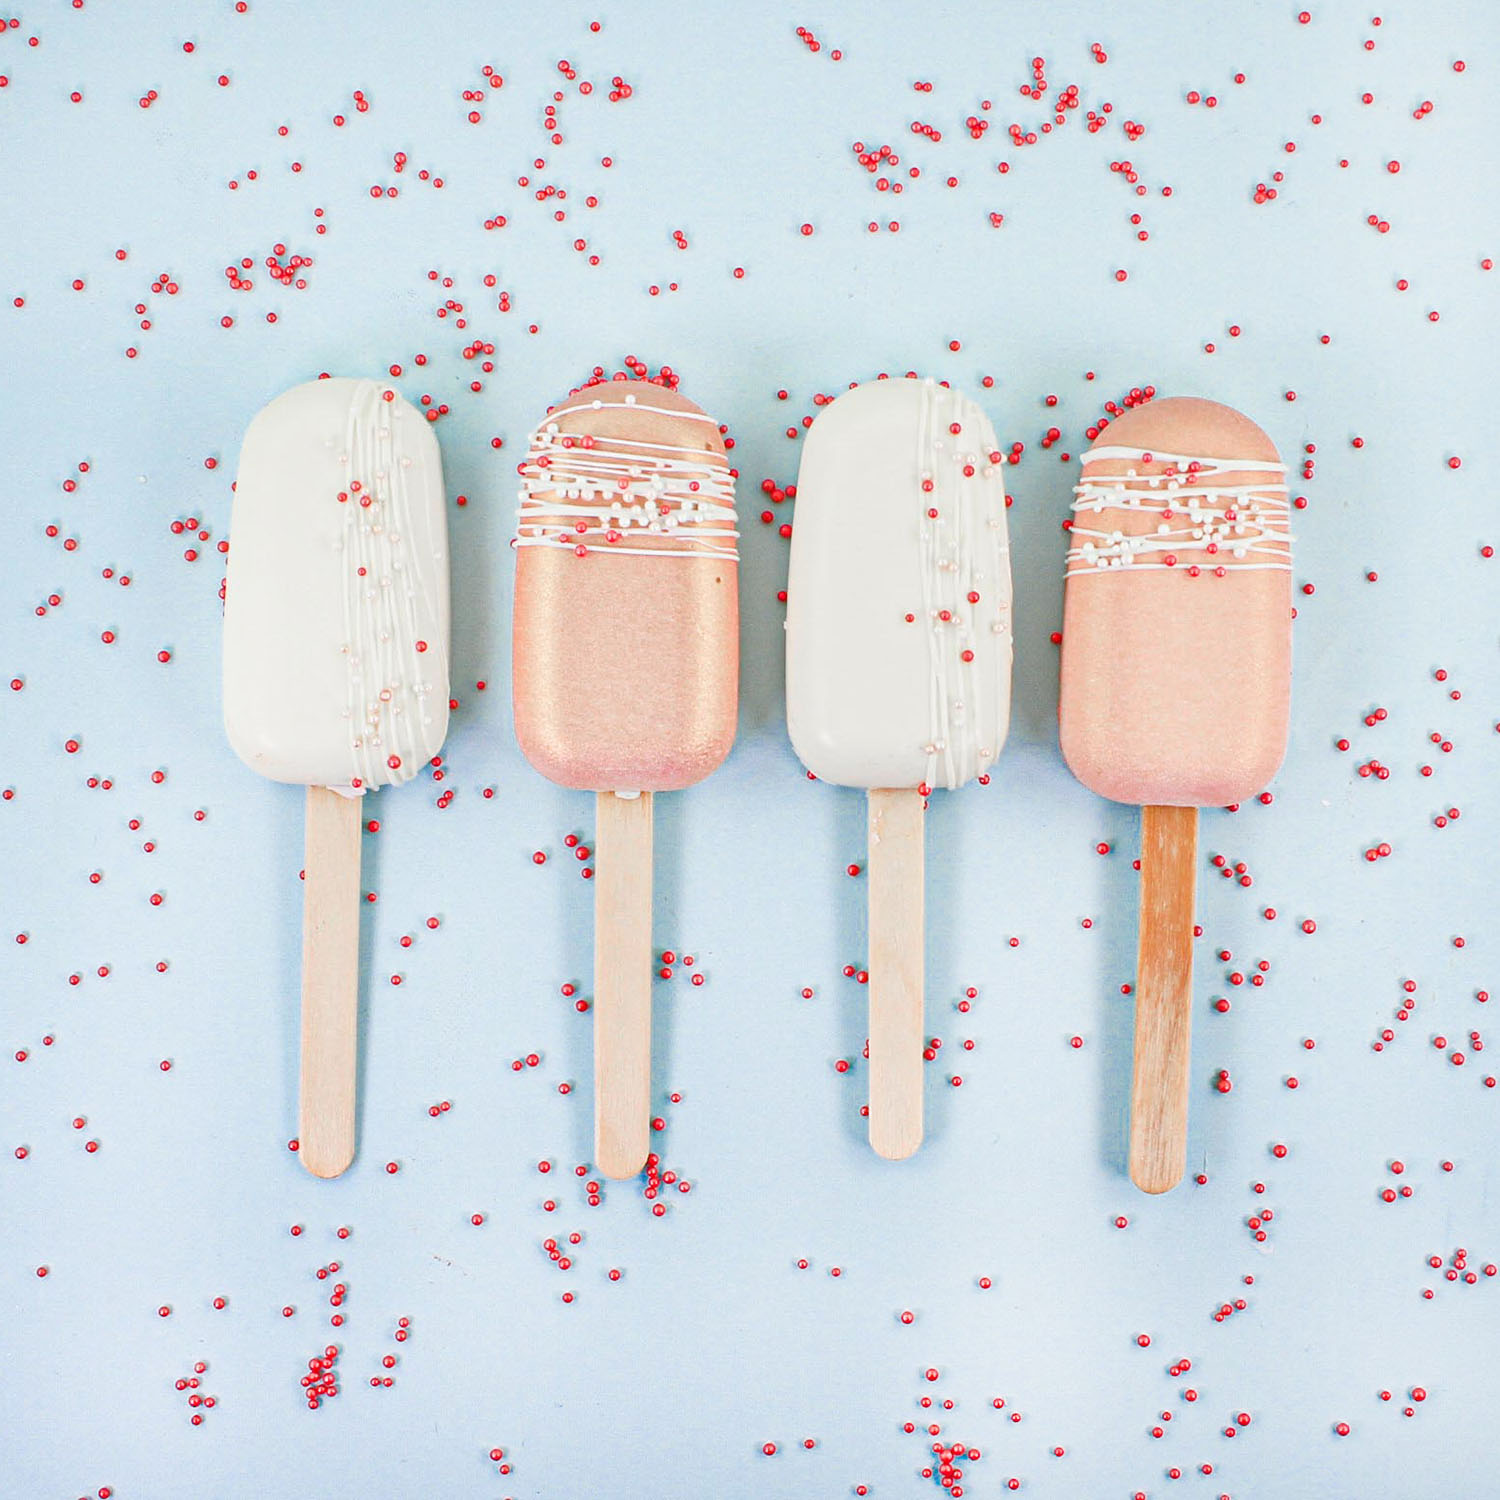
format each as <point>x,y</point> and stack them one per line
<point>964,550</point>
<point>390,681</point>
<point>634,405</point>
<point>1222,527</point>
<point>624,493</point>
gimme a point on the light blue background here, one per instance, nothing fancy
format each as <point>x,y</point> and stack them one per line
<point>668,1382</point>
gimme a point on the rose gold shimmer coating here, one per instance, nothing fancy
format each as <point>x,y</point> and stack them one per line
<point>626,667</point>
<point>1176,688</point>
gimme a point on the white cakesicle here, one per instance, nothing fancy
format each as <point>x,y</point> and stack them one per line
<point>899,593</point>
<point>336,599</point>
<point>336,671</point>
<point>898,657</point>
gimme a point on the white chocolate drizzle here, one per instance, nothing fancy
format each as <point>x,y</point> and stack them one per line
<point>616,495</point>
<point>391,670</point>
<point>964,551</point>
<point>1203,528</point>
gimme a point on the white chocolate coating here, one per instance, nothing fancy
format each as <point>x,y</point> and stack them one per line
<point>336,596</point>
<point>897,517</point>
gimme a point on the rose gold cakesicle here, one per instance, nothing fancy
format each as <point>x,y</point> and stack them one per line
<point>1176,687</point>
<point>626,672</point>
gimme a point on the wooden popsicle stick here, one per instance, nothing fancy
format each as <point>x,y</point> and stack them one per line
<point>330,981</point>
<point>1163,998</point>
<point>622,983</point>
<point>896,933</point>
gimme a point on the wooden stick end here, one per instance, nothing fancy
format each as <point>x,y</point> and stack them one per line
<point>893,1142</point>
<point>1156,1171</point>
<point>620,1160</point>
<point>326,1160</point>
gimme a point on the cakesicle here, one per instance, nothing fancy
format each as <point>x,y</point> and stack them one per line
<point>898,659</point>
<point>625,671</point>
<point>1176,684</point>
<point>336,669</point>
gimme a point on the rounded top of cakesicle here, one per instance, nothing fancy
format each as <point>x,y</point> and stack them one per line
<point>1176,651</point>
<point>1198,427</point>
<point>336,591</point>
<point>898,591</point>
